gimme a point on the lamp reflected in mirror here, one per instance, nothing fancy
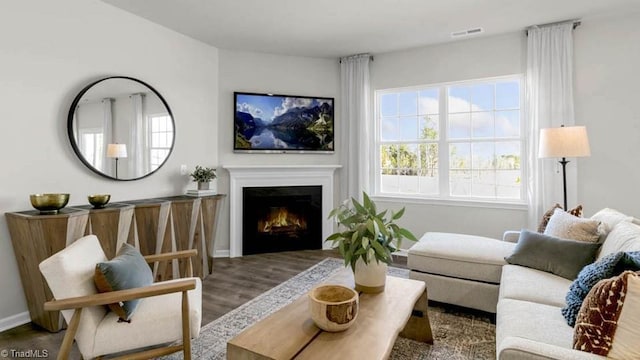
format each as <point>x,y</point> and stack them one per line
<point>117,151</point>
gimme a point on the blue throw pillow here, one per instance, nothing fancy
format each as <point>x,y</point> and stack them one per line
<point>611,265</point>
<point>127,270</point>
<point>551,254</point>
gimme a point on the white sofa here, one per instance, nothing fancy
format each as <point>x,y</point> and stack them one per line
<point>529,323</point>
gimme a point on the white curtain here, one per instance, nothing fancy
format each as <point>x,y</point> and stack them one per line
<point>107,133</point>
<point>549,104</point>
<point>138,155</point>
<point>355,120</point>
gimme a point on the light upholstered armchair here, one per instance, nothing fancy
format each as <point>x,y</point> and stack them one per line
<point>169,312</point>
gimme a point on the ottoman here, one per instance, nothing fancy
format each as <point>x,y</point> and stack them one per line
<point>460,269</point>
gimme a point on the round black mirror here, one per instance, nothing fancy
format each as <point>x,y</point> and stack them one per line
<point>121,128</point>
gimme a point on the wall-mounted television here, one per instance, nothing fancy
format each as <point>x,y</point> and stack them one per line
<point>283,123</point>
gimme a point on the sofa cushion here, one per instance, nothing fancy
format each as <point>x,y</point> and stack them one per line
<point>606,267</point>
<point>607,324</point>
<point>625,236</point>
<point>462,256</point>
<point>610,218</point>
<point>529,320</point>
<point>522,283</point>
<point>567,226</point>
<point>127,270</point>
<point>547,253</point>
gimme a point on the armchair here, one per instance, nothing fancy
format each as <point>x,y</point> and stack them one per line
<point>171,310</point>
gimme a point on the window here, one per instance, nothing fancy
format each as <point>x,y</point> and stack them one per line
<point>458,141</point>
<point>91,146</point>
<point>161,139</point>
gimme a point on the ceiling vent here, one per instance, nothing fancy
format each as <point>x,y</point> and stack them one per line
<point>468,32</point>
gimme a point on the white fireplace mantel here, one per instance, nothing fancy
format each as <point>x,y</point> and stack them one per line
<point>241,176</point>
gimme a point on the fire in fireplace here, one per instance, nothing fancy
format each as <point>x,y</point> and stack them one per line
<point>281,218</point>
<point>281,221</point>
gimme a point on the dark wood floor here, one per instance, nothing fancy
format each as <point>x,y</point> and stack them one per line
<point>233,282</point>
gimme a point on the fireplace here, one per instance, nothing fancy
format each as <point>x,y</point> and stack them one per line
<point>281,218</point>
<point>251,176</point>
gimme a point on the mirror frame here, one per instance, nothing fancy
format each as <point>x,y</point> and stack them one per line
<point>74,143</point>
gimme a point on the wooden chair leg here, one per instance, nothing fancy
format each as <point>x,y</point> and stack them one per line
<point>67,342</point>
<point>186,327</point>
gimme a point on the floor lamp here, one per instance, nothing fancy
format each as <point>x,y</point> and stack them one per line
<point>116,151</point>
<point>564,142</point>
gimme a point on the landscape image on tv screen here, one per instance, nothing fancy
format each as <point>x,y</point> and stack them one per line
<point>265,122</point>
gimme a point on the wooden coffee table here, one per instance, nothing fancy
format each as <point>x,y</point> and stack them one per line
<point>289,333</point>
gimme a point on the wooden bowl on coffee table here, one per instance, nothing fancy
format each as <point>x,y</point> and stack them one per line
<point>333,307</point>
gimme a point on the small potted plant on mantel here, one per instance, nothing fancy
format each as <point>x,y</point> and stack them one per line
<point>367,241</point>
<point>203,176</point>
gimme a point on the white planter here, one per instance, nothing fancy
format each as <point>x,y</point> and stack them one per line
<point>211,187</point>
<point>370,278</point>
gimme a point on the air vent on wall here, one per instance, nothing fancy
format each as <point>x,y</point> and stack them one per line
<point>468,32</point>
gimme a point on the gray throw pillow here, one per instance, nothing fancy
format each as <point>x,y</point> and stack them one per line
<point>547,253</point>
<point>127,270</point>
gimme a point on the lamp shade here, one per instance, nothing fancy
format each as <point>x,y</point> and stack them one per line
<point>563,142</point>
<point>117,150</point>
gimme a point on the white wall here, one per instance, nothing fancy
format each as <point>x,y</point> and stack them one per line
<point>461,60</point>
<point>607,68</point>
<point>50,50</point>
<point>267,73</point>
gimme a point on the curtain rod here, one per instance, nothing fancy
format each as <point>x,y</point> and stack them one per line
<point>576,23</point>
<point>340,60</point>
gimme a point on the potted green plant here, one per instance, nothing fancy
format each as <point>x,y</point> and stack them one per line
<point>203,176</point>
<point>367,239</point>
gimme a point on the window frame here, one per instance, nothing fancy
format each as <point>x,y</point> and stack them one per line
<point>444,196</point>
<point>97,160</point>
<point>150,119</point>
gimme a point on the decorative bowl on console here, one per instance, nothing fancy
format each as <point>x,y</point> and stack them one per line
<point>49,204</point>
<point>99,200</point>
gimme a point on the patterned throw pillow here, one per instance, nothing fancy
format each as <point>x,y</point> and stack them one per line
<point>127,270</point>
<point>577,211</point>
<point>608,318</point>
<point>567,226</point>
<point>608,266</point>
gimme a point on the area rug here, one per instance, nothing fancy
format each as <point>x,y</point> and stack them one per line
<point>457,335</point>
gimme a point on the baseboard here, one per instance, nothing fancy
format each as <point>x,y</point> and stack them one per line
<point>14,321</point>
<point>221,253</point>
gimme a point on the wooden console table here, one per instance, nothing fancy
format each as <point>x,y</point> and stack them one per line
<point>186,221</point>
<point>290,333</point>
<point>149,233</point>
<point>111,224</point>
<point>36,237</point>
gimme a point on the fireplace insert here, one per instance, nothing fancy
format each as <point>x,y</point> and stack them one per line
<point>281,218</point>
